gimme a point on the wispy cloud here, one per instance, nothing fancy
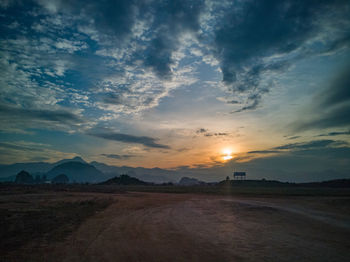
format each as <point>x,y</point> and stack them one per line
<point>29,151</point>
<point>116,156</point>
<point>340,133</point>
<point>60,118</point>
<point>125,138</point>
<point>311,144</point>
<point>207,133</point>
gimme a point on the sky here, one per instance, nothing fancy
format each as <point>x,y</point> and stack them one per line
<point>185,85</point>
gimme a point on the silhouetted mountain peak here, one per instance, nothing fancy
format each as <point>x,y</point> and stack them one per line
<point>124,180</point>
<point>74,159</point>
<point>77,171</point>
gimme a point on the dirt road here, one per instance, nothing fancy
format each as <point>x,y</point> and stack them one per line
<point>184,227</point>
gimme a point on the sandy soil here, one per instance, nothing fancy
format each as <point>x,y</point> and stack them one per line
<point>184,227</point>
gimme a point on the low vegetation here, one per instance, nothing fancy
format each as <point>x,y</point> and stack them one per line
<point>36,219</point>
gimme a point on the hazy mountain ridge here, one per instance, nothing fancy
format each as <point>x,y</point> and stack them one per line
<point>77,172</point>
<point>94,171</point>
<point>190,181</point>
<point>156,175</point>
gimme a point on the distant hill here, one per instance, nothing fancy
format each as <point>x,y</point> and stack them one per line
<point>155,175</point>
<point>74,159</point>
<point>124,180</point>
<point>13,169</point>
<point>188,181</point>
<point>77,172</point>
<point>7,172</point>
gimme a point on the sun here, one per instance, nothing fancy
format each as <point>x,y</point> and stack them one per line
<point>227,154</point>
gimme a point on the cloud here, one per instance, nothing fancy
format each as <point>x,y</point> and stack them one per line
<point>114,58</point>
<point>255,100</point>
<point>338,92</point>
<point>293,137</point>
<point>302,148</point>
<point>206,133</point>
<point>252,42</point>
<point>264,152</point>
<point>173,19</point>
<point>336,133</point>
<point>311,145</point>
<point>201,130</point>
<point>331,107</point>
<point>59,115</point>
<point>112,18</point>
<point>11,152</point>
<point>216,134</point>
<point>116,23</point>
<point>124,138</point>
<point>22,146</point>
<point>116,156</point>
<point>59,118</point>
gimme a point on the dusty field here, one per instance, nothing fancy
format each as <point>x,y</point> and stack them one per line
<point>185,227</point>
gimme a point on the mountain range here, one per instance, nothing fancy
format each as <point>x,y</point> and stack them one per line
<point>78,170</point>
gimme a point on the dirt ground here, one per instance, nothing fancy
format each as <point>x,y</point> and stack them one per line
<point>186,227</point>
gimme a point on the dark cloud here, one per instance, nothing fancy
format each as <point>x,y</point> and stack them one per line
<point>116,156</point>
<point>255,100</point>
<point>115,22</point>
<point>206,132</point>
<point>113,18</point>
<point>20,147</point>
<point>338,117</point>
<point>171,20</point>
<point>253,30</point>
<point>331,107</point>
<point>338,91</point>
<point>167,21</point>
<point>293,137</point>
<point>311,145</point>
<point>221,134</point>
<point>57,116</point>
<point>117,98</point>
<point>304,147</point>
<point>336,133</point>
<point>124,138</point>
<point>264,152</point>
<point>216,134</point>
<point>233,102</point>
<point>201,130</point>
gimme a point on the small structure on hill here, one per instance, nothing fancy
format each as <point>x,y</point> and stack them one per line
<point>239,175</point>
